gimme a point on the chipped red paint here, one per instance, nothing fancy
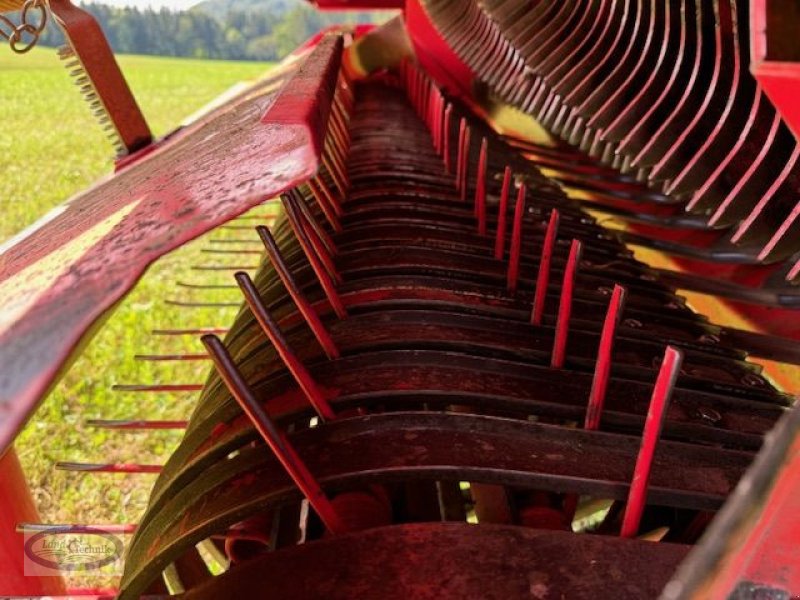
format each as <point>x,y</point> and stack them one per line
<point>73,266</point>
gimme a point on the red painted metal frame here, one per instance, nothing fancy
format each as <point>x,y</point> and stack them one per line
<point>97,61</point>
<point>16,506</point>
<point>780,79</point>
<point>70,269</point>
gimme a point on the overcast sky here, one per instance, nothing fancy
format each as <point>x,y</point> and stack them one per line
<point>174,4</point>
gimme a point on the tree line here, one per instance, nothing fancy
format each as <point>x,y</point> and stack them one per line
<point>234,35</point>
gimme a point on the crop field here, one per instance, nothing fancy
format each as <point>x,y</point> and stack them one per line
<point>51,148</point>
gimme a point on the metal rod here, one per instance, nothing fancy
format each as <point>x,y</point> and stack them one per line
<point>448,116</point>
<point>157,387</point>
<point>170,357</point>
<point>197,331</point>
<point>502,215</point>
<point>274,438</point>
<point>316,242</point>
<point>305,308</point>
<point>317,229</point>
<point>465,164</point>
<point>602,368</point>
<point>480,188</point>
<point>516,241</point>
<point>64,529</point>
<point>183,304</point>
<point>319,269</point>
<point>654,423</point>
<point>326,208</point>
<point>565,306</point>
<point>135,424</point>
<point>107,467</point>
<point>462,128</point>
<point>273,332</point>
<point>543,277</point>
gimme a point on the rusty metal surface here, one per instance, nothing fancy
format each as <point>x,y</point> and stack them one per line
<point>68,270</point>
<point>453,560</point>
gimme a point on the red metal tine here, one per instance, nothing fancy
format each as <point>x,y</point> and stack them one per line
<point>602,369</point>
<point>565,306</point>
<point>448,115</point>
<point>127,468</point>
<point>305,308</point>
<point>280,446</point>
<point>273,332</point>
<point>543,277</point>
<point>502,216</point>
<point>465,164</point>
<point>316,229</point>
<point>319,269</point>
<point>136,424</point>
<point>480,189</point>
<point>462,130</point>
<point>332,199</point>
<point>316,239</point>
<point>325,205</point>
<point>440,104</point>
<point>654,423</point>
<point>516,241</point>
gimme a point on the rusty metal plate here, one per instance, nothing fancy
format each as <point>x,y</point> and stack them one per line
<point>453,560</point>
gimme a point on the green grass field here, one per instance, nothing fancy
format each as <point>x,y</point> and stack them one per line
<point>51,148</point>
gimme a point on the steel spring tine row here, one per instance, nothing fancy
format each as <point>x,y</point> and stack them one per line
<point>391,366</point>
<point>656,92</point>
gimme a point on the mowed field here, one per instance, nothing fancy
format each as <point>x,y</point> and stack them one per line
<point>51,148</point>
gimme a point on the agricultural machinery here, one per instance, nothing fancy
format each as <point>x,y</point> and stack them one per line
<point>525,327</point>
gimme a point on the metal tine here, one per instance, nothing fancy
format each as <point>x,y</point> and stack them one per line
<point>136,424</point>
<point>224,267</point>
<point>205,286</point>
<point>602,368</point>
<point>565,305</point>
<point>465,166</point>
<point>448,115</point>
<point>480,188</point>
<point>324,205</point>
<point>316,243</point>
<point>332,199</point>
<point>232,251</point>
<point>516,241</point>
<point>502,215</point>
<point>66,528</point>
<point>318,230</point>
<point>543,277</point>
<point>170,357</point>
<point>654,423</point>
<point>189,304</point>
<point>440,106</point>
<point>107,467</point>
<point>316,264</point>
<point>232,241</point>
<point>331,168</point>
<point>157,387</point>
<point>197,331</point>
<point>462,130</point>
<point>303,305</point>
<point>278,341</point>
<point>274,438</point>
